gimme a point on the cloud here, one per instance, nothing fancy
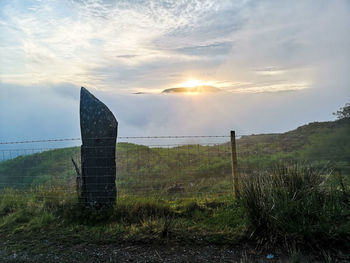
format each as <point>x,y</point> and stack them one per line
<point>284,63</point>
<point>69,42</point>
<point>287,45</point>
<point>211,50</point>
<point>37,112</point>
<point>127,56</point>
<point>125,45</point>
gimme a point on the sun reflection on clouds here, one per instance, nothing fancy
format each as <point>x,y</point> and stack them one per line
<point>257,59</point>
<point>193,83</point>
<point>272,88</point>
<point>55,47</point>
<point>126,46</point>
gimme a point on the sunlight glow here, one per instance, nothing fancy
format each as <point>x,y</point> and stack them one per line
<point>192,93</point>
<point>194,87</point>
<point>193,83</point>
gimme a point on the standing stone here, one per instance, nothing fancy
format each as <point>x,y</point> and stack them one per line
<point>99,128</point>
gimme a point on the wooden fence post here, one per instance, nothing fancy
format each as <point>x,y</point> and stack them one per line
<point>234,164</point>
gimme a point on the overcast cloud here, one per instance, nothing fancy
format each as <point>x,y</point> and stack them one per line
<point>280,63</point>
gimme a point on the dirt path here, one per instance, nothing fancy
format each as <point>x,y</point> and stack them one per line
<point>140,253</point>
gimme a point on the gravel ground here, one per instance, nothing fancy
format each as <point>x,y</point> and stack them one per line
<point>141,253</point>
<point>53,251</point>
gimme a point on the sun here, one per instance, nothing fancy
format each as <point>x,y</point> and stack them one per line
<point>192,83</point>
<point>193,87</point>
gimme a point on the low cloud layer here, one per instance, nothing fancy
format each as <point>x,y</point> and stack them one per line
<point>45,112</point>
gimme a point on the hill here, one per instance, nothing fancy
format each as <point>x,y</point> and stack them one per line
<point>317,142</point>
<point>192,168</point>
<point>292,207</point>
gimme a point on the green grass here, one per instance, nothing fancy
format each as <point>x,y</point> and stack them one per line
<point>212,219</point>
<point>197,168</point>
<point>295,206</point>
<point>298,205</point>
<point>297,209</point>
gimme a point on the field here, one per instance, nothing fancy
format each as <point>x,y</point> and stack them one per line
<point>295,200</point>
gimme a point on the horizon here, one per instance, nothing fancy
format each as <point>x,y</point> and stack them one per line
<point>279,65</point>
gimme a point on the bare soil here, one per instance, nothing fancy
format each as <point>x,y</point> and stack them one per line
<point>127,252</point>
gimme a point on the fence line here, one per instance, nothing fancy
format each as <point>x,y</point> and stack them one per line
<point>120,137</point>
<point>168,168</point>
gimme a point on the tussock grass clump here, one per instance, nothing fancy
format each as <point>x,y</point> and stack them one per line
<point>294,204</point>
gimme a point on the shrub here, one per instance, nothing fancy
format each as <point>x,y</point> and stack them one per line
<point>293,203</point>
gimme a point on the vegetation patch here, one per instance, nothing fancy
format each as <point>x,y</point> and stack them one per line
<point>295,205</point>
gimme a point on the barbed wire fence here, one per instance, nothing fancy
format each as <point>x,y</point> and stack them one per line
<point>151,165</point>
<point>164,166</point>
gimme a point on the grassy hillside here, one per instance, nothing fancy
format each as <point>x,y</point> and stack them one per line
<point>192,168</point>
<point>290,211</point>
<point>318,142</point>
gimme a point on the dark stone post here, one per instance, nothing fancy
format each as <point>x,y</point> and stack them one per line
<point>96,185</point>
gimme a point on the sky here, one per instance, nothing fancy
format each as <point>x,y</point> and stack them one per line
<point>279,64</point>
